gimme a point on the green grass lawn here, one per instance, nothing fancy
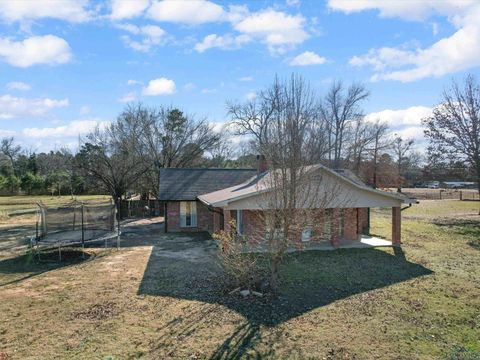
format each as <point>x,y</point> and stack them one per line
<point>10,203</point>
<point>437,208</point>
<point>420,301</point>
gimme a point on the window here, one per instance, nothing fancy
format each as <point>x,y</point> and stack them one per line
<point>306,234</point>
<point>240,222</point>
<point>188,214</point>
<point>274,225</point>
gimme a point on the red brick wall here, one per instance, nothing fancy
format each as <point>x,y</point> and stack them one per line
<point>362,220</point>
<point>254,226</point>
<point>205,217</point>
<point>217,220</point>
<point>255,230</point>
<point>350,224</point>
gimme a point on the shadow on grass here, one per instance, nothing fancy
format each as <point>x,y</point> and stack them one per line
<point>310,279</point>
<point>465,227</point>
<point>26,266</point>
<point>15,234</point>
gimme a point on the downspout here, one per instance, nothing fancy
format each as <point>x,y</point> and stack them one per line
<point>409,206</point>
<point>165,217</point>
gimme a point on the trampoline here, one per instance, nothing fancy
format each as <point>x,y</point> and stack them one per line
<point>74,224</point>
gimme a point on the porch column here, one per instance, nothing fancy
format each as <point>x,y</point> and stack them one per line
<point>335,231</point>
<point>226,220</point>
<point>396,225</point>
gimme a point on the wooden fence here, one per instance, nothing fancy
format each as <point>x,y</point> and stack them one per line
<point>442,194</point>
<point>469,196</point>
<point>142,208</point>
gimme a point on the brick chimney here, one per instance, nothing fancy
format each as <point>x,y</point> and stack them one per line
<point>262,165</point>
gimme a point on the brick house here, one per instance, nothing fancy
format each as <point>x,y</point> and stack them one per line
<point>207,199</point>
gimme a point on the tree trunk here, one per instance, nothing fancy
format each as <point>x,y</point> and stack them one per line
<point>274,275</point>
<point>118,204</point>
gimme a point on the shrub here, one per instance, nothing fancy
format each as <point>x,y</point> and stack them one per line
<point>244,269</point>
<point>461,353</point>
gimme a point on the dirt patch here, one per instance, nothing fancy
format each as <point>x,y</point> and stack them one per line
<point>340,354</point>
<point>161,296</point>
<point>100,311</point>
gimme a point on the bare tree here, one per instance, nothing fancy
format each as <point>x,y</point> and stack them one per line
<point>173,139</point>
<point>454,127</point>
<point>290,194</point>
<point>362,136</point>
<point>11,151</point>
<point>340,108</point>
<point>401,149</point>
<point>254,116</point>
<point>114,156</point>
<point>380,143</point>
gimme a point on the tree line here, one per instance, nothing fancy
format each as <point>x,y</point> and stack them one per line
<point>126,156</point>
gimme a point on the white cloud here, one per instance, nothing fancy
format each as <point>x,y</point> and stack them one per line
<point>151,35</point>
<point>191,12</point>
<point>14,107</point>
<point>133,82</point>
<point>84,110</point>
<point>246,78</point>
<point>406,123</point>
<point>278,30</point>
<point>7,133</point>
<point>48,49</point>
<point>411,116</point>
<point>126,9</point>
<point>451,54</point>
<point>131,96</point>
<point>209,91</point>
<point>307,58</point>
<point>292,2</point>
<point>227,41</point>
<point>218,127</point>
<point>160,86</point>
<point>189,86</point>
<point>409,10</point>
<point>18,85</point>
<point>74,128</point>
<point>21,10</point>
<point>252,95</point>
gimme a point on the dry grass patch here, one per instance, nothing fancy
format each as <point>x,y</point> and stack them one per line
<point>149,300</point>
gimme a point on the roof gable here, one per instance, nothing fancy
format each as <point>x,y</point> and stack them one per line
<point>261,184</point>
<point>187,184</point>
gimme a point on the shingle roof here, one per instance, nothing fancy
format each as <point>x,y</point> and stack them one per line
<point>350,175</point>
<point>264,182</point>
<point>187,184</point>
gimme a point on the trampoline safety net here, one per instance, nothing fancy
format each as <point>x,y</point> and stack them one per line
<point>76,222</point>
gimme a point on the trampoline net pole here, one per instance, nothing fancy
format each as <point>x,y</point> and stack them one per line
<point>115,215</point>
<point>83,232</point>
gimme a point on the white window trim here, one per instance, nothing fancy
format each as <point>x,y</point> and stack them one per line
<point>307,230</point>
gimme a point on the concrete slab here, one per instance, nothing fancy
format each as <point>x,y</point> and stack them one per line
<point>364,242</point>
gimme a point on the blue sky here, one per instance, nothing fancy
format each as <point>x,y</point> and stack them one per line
<point>66,66</point>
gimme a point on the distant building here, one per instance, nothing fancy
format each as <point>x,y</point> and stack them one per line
<point>459,184</point>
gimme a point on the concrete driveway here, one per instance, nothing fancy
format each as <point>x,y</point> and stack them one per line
<point>194,248</point>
